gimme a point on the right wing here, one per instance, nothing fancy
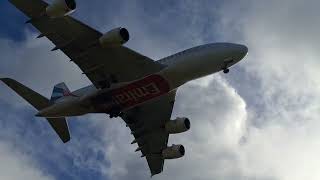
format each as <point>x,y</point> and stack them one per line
<point>147,126</point>
<point>75,39</point>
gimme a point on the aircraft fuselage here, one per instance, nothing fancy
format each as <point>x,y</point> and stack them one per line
<point>180,68</point>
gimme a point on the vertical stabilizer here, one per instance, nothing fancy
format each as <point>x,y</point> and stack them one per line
<point>60,90</point>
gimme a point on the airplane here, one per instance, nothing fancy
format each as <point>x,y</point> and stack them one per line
<point>125,83</point>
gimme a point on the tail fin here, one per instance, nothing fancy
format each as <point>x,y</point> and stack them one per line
<point>60,90</point>
<point>39,102</point>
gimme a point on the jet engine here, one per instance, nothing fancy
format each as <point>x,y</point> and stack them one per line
<point>115,37</point>
<point>173,152</point>
<point>60,8</point>
<point>178,125</point>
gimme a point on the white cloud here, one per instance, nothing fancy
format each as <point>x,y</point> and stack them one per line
<point>231,137</point>
<point>283,152</point>
<point>218,118</point>
<point>16,165</point>
<point>280,141</point>
<point>32,63</point>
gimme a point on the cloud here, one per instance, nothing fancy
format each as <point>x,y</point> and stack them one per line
<point>277,84</point>
<point>258,122</point>
<point>218,123</point>
<point>32,63</point>
<point>281,87</point>
<point>16,165</point>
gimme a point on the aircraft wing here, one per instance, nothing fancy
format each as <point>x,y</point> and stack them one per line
<point>147,126</point>
<point>75,39</point>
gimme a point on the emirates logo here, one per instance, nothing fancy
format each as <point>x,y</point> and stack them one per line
<point>138,94</point>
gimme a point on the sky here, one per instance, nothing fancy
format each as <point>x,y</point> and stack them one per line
<point>259,122</point>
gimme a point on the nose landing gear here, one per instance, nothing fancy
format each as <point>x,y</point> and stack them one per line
<point>226,71</point>
<point>225,66</point>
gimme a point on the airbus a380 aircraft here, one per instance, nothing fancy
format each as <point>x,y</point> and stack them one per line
<point>126,84</point>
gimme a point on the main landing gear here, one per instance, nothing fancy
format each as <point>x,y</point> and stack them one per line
<point>115,112</point>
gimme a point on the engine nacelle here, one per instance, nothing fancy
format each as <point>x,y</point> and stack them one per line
<point>178,125</point>
<point>115,37</point>
<point>60,8</point>
<point>173,152</point>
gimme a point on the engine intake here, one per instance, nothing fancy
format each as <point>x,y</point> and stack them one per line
<point>61,8</point>
<point>115,37</point>
<point>173,152</point>
<point>178,125</point>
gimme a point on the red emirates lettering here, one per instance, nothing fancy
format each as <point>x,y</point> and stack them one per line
<point>138,94</point>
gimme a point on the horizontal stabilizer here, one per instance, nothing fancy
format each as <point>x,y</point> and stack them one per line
<point>60,125</point>
<point>39,102</point>
<point>35,99</point>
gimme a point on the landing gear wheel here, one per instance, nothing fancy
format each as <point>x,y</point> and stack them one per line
<point>226,71</point>
<point>115,112</point>
<point>114,115</point>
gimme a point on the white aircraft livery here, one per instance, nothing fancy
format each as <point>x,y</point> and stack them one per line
<point>125,83</point>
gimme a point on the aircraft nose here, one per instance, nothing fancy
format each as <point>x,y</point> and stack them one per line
<point>241,50</point>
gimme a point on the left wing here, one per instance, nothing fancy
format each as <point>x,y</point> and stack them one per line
<point>147,126</point>
<point>101,65</point>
